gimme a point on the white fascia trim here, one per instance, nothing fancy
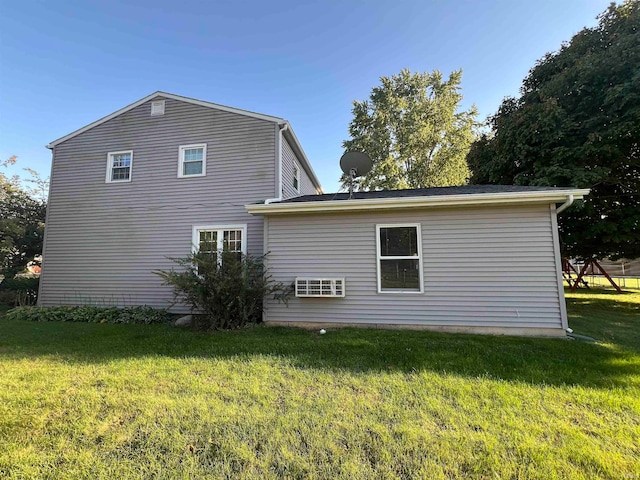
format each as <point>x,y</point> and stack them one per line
<point>302,156</point>
<point>193,101</point>
<point>415,202</point>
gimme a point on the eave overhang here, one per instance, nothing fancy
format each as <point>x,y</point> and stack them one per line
<point>434,201</point>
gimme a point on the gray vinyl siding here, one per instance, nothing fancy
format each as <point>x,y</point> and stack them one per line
<point>289,159</point>
<point>103,240</point>
<point>306,185</point>
<point>482,267</point>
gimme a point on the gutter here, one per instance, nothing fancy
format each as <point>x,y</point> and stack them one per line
<point>281,128</point>
<point>565,205</point>
<point>470,200</point>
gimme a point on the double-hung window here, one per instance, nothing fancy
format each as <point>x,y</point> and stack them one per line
<point>399,258</point>
<point>220,240</point>
<point>193,160</point>
<point>119,166</point>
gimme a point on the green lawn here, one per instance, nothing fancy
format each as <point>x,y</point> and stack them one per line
<point>129,401</point>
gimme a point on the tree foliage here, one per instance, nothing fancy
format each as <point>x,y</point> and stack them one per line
<point>413,130</point>
<point>226,289</point>
<point>19,291</point>
<point>21,224</point>
<point>577,124</point>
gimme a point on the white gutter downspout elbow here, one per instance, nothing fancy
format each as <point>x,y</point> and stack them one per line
<point>565,205</point>
<point>282,128</point>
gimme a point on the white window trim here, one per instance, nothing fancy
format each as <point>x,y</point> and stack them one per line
<point>195,237</point>
<point>296,175</point>
<point>181,150</point>
<point>110,167</point>
<point>380,257</point>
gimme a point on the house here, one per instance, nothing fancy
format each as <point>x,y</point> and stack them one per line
<point>483,259</point>
<point>152,180</point>
<point>145,182</point>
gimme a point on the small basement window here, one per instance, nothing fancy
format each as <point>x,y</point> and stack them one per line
<point>399,258</point>
<point>319,287</point>
<point>193,161</point>
<point>119,166</point>
<point>157,107</point>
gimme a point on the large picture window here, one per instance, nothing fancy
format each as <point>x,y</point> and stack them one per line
<point>399,258</point>
<point>119,166</point>
<point>193,161</point>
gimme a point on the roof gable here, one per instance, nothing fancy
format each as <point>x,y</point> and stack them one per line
<point>193,101</point>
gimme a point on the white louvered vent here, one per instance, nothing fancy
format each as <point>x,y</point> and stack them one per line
<point>157,107</point>
<point>319,287</point>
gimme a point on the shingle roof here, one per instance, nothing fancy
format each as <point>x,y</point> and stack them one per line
<point>422,192</point>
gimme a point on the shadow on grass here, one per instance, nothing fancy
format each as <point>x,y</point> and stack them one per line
<point>529,360</point>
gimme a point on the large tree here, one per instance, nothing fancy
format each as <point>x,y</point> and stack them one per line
<point>21,223</point>
<point>577,124</point>
<point>414,131</point>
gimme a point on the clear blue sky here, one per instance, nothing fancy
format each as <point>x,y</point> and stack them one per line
<point>64,64</point>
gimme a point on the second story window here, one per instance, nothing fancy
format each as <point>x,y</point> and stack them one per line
<point>119,166</point>
<point>193,161</point>
<point>296,177</point>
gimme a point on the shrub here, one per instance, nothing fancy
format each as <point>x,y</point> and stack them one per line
<point>90,314</point>
<point>19,291</point>
<point>225,290</point>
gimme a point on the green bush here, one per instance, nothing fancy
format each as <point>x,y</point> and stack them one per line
<point>19,291</point>
<point>225,290</point>
<point>89,314</point>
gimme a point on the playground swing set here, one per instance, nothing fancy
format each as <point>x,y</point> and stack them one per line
<point>568,271</point>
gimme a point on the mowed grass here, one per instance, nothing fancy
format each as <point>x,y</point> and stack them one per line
<point>120,401</point>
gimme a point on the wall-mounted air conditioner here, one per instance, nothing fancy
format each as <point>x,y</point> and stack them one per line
<point>319,287</point>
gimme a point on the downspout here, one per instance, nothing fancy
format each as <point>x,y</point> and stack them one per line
<point>565,205</point>
<point>563,307</point>
<point>281,129</point>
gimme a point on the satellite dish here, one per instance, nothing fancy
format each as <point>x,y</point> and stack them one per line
<point>355,164</point>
